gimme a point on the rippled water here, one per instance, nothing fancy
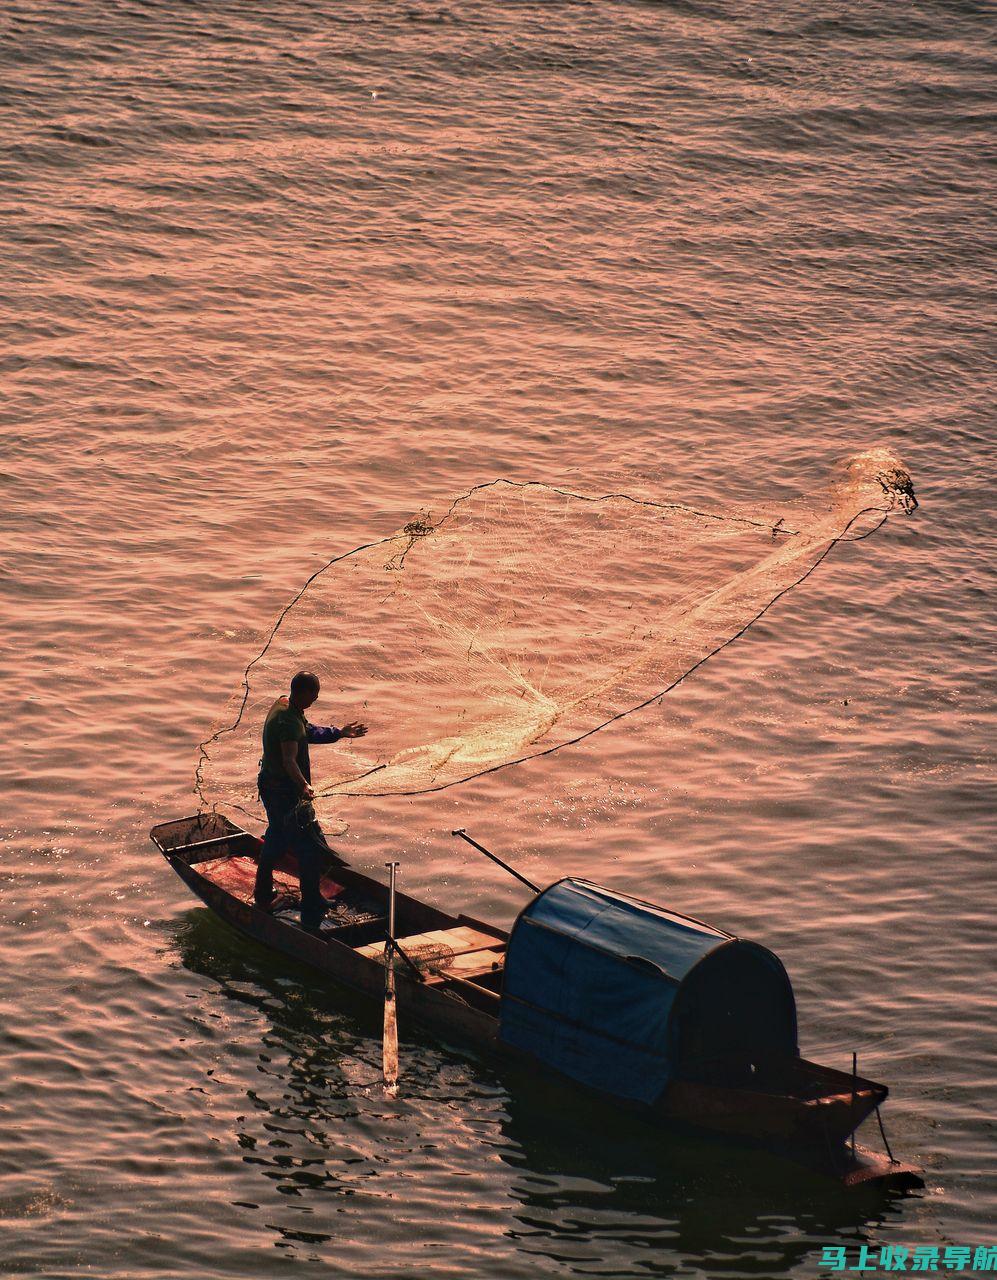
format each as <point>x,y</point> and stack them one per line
<point>276,278</point>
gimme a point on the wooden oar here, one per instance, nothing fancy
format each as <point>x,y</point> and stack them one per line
<point>390,1044</point>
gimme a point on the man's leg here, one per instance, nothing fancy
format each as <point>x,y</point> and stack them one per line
<point>274,843</point>
<point>313,856</point>
<point>310,862</point>
<point>269,854</point>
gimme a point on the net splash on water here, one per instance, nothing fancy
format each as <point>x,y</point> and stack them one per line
<point>523,619</point>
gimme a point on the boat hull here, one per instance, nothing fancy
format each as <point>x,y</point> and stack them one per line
<point>837,1107</point>
<point>439,1010</point>
<point>809,1130</point>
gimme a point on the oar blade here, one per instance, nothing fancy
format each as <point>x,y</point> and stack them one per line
<point>390,1043</point>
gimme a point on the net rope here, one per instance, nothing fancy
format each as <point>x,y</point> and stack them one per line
<point>522,620</point>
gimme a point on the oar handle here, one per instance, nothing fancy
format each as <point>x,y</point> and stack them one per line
<point>488,854</point>
<point>392,872</point>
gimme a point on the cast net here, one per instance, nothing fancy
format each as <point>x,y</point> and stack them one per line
<point>520,617</point>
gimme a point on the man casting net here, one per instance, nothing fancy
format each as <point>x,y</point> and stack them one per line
<point>521,617</point>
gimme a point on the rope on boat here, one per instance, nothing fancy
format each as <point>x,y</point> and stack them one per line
<point>886,1141</point>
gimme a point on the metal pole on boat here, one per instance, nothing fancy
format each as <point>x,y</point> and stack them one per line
<point>855,1072</point>
<point>390,1042</point>
<point>488,854</point>
<point>392,872</point>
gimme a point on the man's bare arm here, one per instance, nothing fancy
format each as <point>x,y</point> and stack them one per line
<point>289,755</point>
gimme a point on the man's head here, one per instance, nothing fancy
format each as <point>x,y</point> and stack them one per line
<point>304,689</point>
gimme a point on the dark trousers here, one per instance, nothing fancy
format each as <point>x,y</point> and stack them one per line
<point>285,835</point>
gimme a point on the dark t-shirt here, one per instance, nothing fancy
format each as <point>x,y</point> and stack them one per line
<point>284,723</point>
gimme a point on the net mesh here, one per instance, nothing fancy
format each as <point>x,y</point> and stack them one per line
<point>521,618</point>
<point>428,958</point>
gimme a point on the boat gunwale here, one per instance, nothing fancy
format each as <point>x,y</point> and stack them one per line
<point>348,874</point>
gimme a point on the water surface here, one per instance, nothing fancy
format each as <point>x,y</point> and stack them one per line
<point>277,278</point>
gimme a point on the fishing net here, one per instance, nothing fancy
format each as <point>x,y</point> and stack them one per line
<point>428,958</point>
<point>520,617</point>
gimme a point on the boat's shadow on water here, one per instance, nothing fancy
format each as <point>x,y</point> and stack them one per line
<point>576,1174</point>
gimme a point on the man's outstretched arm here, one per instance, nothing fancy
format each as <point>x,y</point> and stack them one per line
<point>319,734</point>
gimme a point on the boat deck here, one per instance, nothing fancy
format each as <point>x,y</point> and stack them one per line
<point>458,954</point>
<point>236,874</point>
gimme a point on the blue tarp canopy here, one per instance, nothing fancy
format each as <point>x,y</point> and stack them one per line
<point>623,995</point>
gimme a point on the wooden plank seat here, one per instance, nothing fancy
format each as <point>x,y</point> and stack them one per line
<point>459,940</point>
<point>474,963</point>
<point>461,950</point>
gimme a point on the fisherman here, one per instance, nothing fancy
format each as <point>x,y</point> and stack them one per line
<point>285,787</point>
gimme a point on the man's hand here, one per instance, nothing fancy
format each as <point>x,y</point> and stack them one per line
<point>353,730</point>
<point>308,792</point>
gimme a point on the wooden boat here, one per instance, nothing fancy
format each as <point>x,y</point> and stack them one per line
<point>648,1008</point>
